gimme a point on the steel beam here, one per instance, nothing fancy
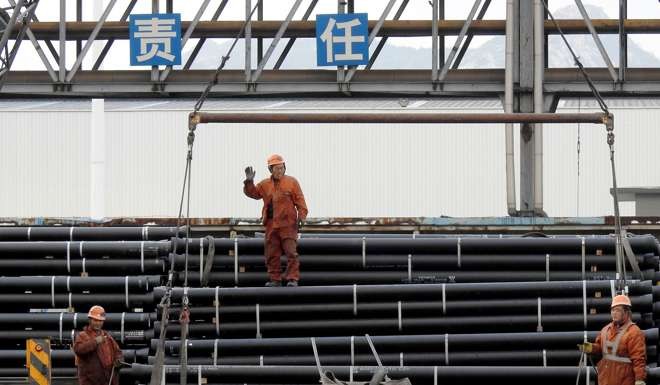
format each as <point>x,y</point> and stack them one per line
<point>640,82</point>
<point>434,41</point>
<point>525,72</point>
<point>62,35</point>
<point>623,40</point>
<point>275,41</point>
<point>468,39</point>
<point>372,35</point>
<point>292,40</point>
<point>155,8</point>
<point>459,40</point>
<point>599,43</point>
<point>394,117</point>
<point>202,40</point>
<point>90,41</point>
<point>381,43</point>
<point>247,39</point>
<point>109,43</point>
<point>186,36</point>
<point>391,28</point>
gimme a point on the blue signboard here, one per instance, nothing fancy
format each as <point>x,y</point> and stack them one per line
<point>342,39</point>
<point>155,39</point>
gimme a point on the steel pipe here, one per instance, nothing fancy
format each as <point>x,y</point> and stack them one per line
<point>394,117</point>
<point>61,233</point>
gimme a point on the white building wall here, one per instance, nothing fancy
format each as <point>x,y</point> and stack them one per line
<point>345,170</point>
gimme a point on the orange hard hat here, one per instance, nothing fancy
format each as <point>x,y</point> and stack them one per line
<point>620,300</point>
<point>96,312</point>
<point>275,159</point>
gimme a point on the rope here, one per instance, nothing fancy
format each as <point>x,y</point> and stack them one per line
<point>214,81</point>
<point>577,197</point>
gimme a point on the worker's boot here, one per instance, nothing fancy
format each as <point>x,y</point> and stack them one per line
<point>292,283</point>
<point>273,284</point>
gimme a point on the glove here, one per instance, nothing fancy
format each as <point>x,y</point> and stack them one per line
<point>249,174</point>
<point>117,364</point>
<point>100,339</point>
<point>586,347</point>
<point>640,382</point>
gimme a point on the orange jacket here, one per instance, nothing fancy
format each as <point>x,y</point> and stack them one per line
<point>633,346</point>
<point>94,361</point>
<point>286,198</point>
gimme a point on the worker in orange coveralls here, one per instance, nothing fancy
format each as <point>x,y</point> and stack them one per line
<point>622,346</point>
<point>283,214</point>
<point>97,354</point>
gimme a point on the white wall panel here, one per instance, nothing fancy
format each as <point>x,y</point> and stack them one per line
<point>345,170</point>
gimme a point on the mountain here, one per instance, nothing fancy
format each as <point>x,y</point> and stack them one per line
<point>489,54</point>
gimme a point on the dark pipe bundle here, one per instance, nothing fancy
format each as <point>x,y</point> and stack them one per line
<point>525,349</point>
<point>511,308</point>
<point>453,246</point>
<point>417,374</point>
<point>63,233</point>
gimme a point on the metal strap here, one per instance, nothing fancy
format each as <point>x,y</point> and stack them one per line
<point>75,320</point>
<point>71,233</point>
<point>83,265</point>
<point>539,326</point>
<point>409,267</point>
<point>70,305</point>
<point>612,289</point>
<point>584,303</point>
<point>613,357</point>
<point>52,291</point>
<point>29,230</point>
<point>73,335</point>
<point>458,252</point>
<point>258,322</point>
<point>352,350</point>
<point>350,376</point>
<point>80,249</point>
<point>435,375</point>
<point>68,283</point>
<point>121,335</point>
<point>199,374</point>
<point>583,259</point>
<point>446,349</point>
<point>261,360</point>
<point>61,315</point>
<point>400,326</point>
<point>143,227</point>
<point>545,360</point>
<point>215,352</point>
<point>68,257</point>
<point>146,233</point>
<point>217,311</point>
<point>142,256</point>
<point>585,336</point>
<point>126,291</point>
<point>236,261</point>
<point>401,359</point>
<point>364,252</point>
<point>547,267</point>
<point>444,300</point>
<point>201,260</point>
<point>354,299</point>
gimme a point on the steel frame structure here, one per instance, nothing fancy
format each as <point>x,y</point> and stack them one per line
<point>443,77</point>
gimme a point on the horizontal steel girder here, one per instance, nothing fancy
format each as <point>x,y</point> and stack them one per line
<point>298,28</point>
<point>468,82</point>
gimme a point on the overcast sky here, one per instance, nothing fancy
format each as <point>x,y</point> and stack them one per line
<point>48,10</point>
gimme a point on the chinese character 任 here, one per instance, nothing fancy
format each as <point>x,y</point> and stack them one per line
<point>154,33</point>
<point>348,39</point>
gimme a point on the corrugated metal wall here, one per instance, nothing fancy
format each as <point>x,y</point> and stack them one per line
<point>346,170</point>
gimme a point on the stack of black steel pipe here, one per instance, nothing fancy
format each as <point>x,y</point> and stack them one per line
<point>510,308</point>
<point>345,261</point>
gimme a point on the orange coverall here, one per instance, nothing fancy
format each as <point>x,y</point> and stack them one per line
<point>632,345</point>
<point>284,205</point>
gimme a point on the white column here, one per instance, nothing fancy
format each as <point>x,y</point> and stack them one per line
<point>97,160</point>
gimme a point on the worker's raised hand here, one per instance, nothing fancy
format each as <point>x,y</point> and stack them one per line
<point>640,382</point>
<point>100,339</point>
<point>586,347</point>
<point>249,173</point>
